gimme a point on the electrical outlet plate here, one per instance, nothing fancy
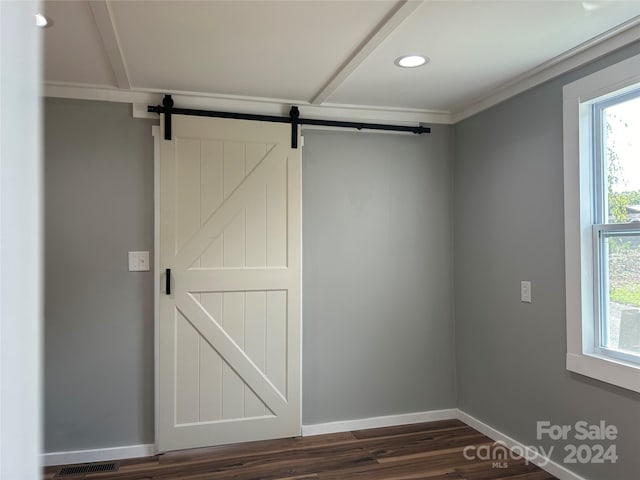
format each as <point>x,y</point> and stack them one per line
<point>139,261</point>
<point>525,291</point>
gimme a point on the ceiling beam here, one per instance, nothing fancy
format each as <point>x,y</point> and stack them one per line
<point>379,34</point>
<point>104,21</point>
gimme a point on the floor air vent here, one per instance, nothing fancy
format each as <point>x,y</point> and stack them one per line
<point>75,470</point>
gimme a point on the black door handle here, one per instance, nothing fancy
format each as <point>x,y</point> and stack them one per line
<point>167,280</point>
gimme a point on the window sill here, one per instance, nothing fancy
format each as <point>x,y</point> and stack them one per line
<point>605,369</point>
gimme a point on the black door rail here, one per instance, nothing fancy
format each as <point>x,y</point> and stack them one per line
<point>294,119</point>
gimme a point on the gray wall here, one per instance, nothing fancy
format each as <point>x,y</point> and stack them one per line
<point>98,316</point>
<point>509,227</point>
<point>377,320</point>
<point>377,277</point>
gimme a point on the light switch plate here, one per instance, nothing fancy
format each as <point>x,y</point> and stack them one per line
<point>138,261</point>
<point>525,291</point>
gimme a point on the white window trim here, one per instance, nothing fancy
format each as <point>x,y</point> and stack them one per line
<point>579,264</point>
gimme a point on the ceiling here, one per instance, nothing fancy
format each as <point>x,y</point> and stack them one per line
<point>334,54</point>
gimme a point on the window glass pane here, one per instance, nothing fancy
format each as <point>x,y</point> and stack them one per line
<point>621,149</point>
<point>621,293</point>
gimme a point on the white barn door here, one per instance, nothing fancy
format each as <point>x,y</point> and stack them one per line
<point>229,331</point>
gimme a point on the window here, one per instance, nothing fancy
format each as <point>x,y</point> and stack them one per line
<point>602,224</point>
<point>616,210</point>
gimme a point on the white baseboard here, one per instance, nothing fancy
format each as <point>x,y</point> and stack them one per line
<point>97,455</point>
<point>377,422</point>
<point>545,463</point>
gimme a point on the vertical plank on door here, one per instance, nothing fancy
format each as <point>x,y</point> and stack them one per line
<point>234,243</point>
<point>276,340</point>
<point>211,179</point>
<point>256,214</point>
<point>234,234</point>
<point>232,384</point>
<point>233,166</point>
<point>187,371</point>
<point>277,220</point>
<point>211,186</point>
<point>211,365</point>
<point>256,230</point>
<point>254,345</point>
<point>188,189</point>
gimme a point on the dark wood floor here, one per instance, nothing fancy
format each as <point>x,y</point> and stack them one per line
<point>432,451</point>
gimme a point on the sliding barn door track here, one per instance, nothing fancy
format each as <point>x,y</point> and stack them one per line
<point>294,119</point>
<point>81,470</point>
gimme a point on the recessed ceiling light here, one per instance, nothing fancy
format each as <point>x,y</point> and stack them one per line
<point>41,20</point>
<point>591,6</point>
<point>411,61</point>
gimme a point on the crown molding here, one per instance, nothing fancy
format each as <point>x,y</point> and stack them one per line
<point>586,52</point>
<point>140,98</point>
